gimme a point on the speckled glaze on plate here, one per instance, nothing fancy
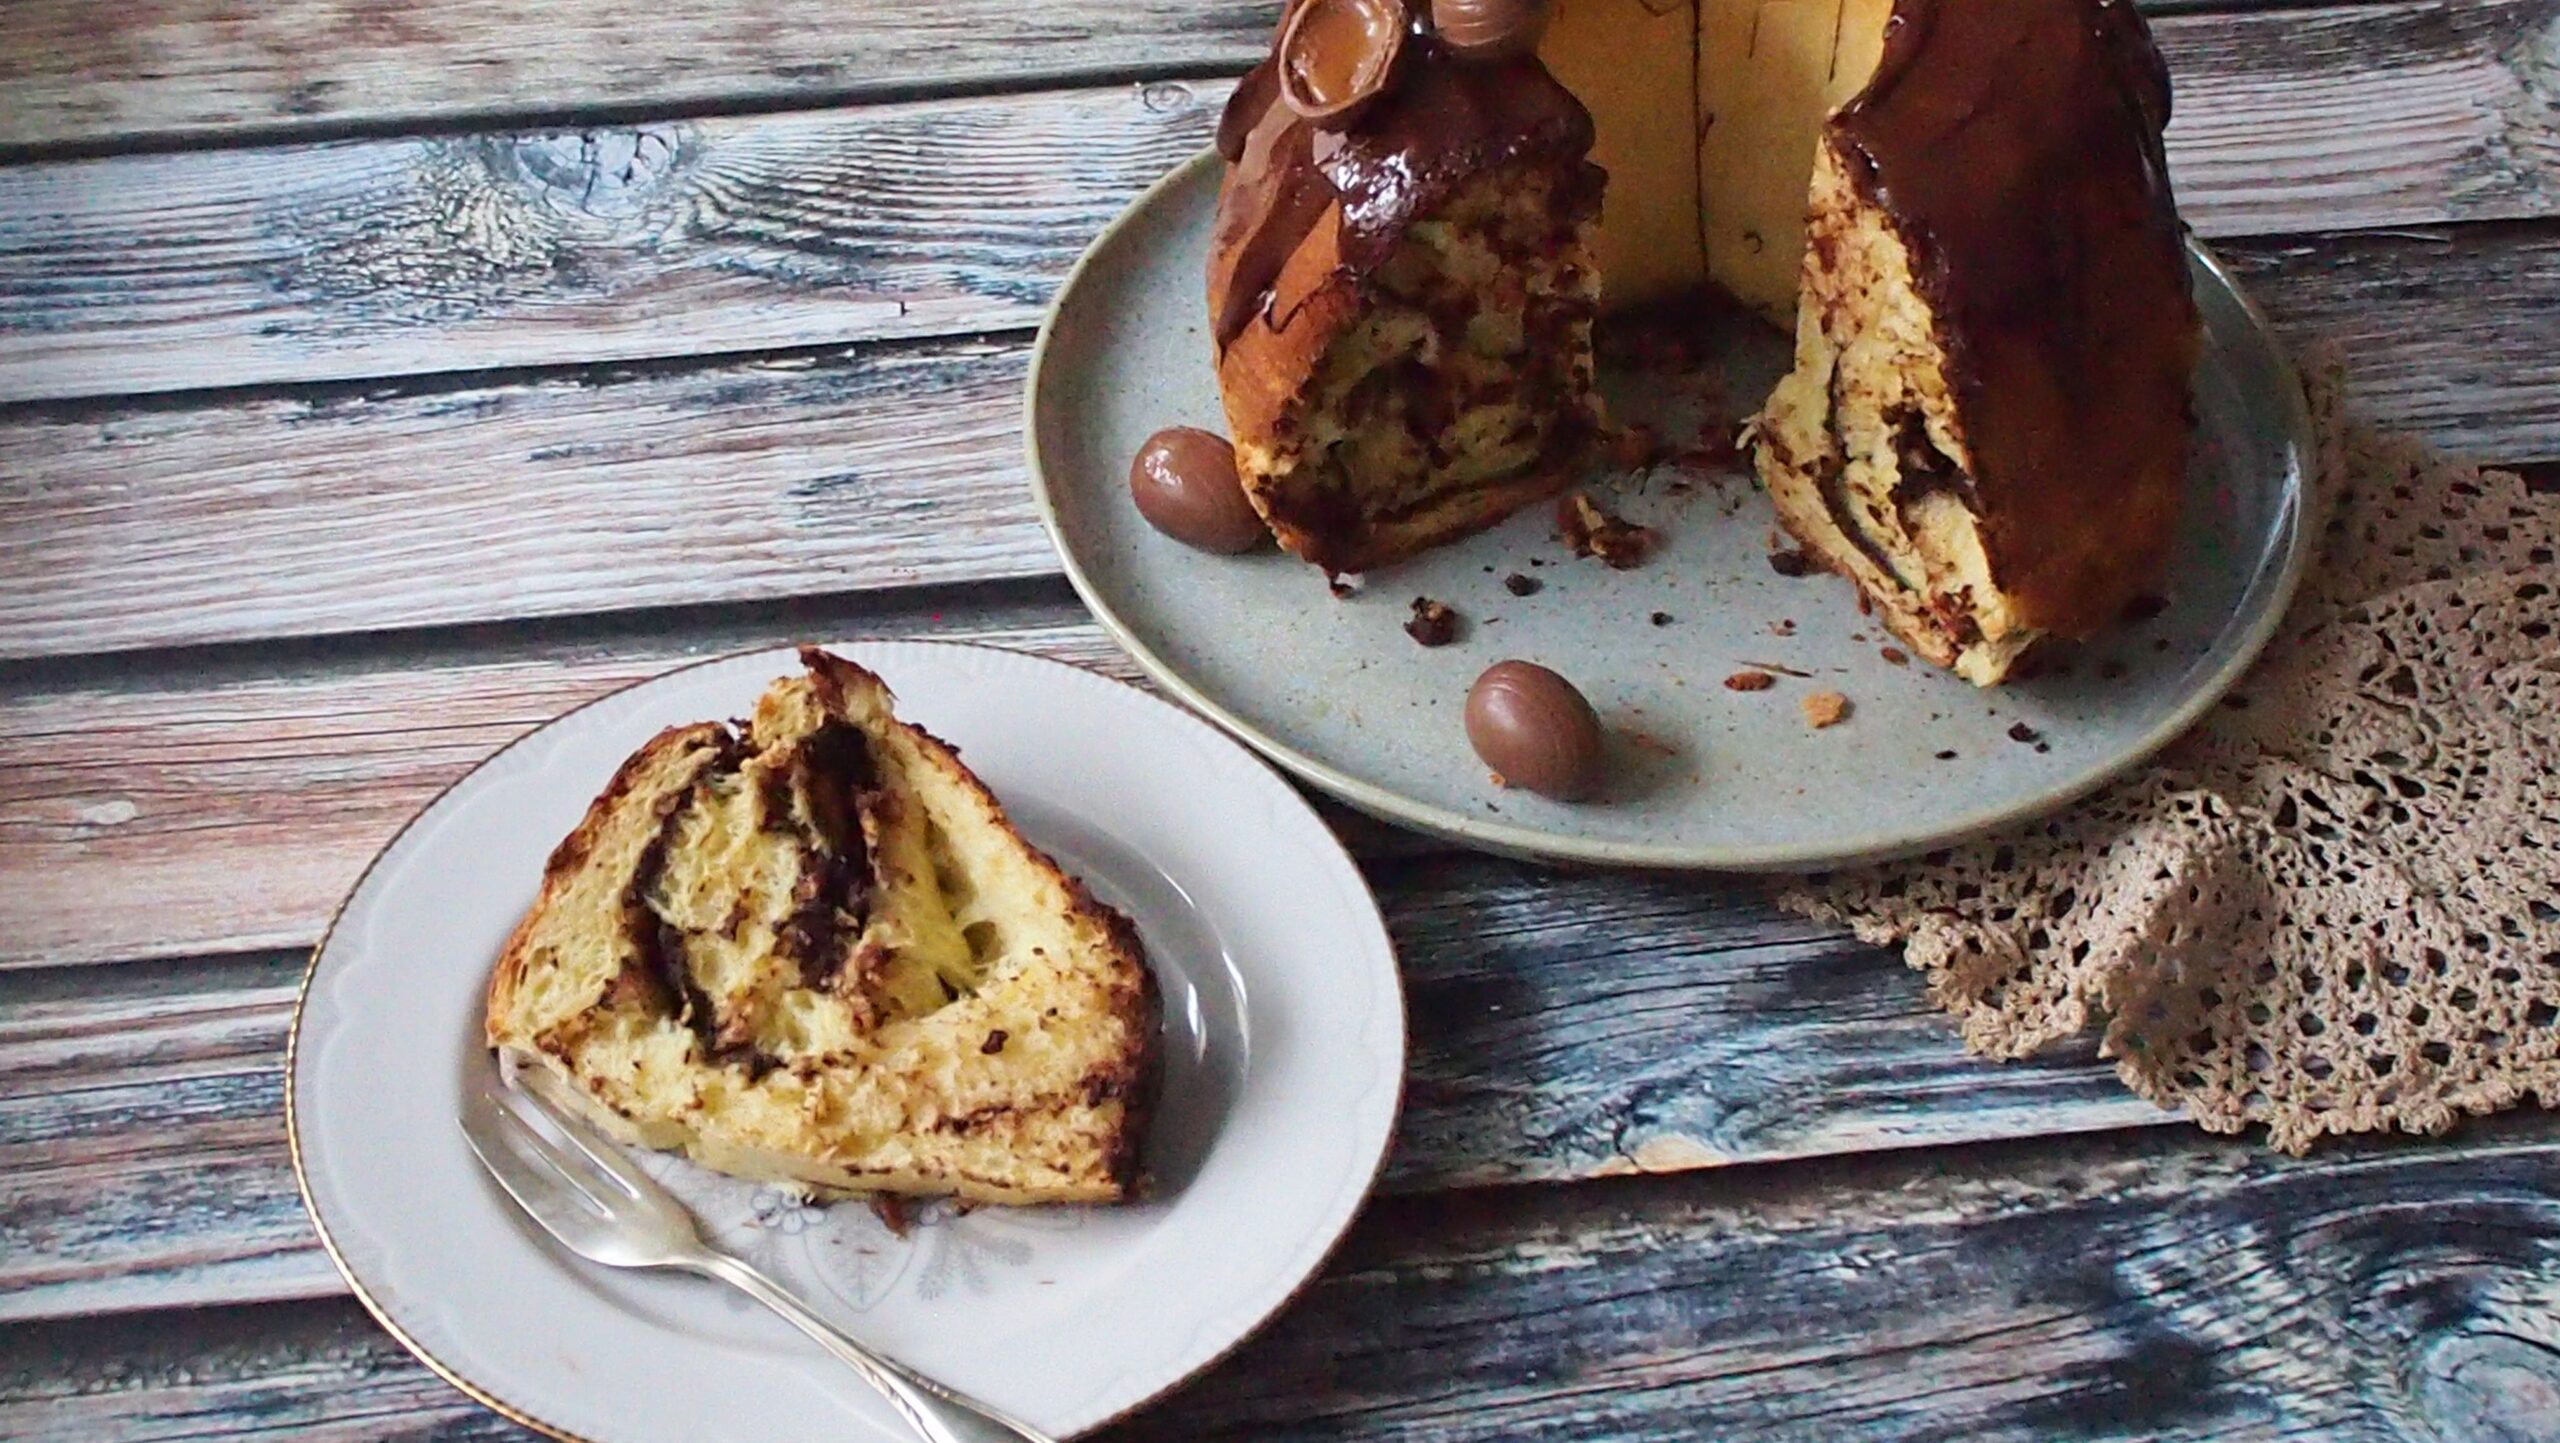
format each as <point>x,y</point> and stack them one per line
<point>1701,777</point>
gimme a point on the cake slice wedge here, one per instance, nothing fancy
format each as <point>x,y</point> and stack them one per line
<point>1987,424</point>
<point>812,950</point>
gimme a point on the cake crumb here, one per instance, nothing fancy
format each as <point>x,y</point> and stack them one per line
<point>891,1210</point>
<point>1647,742</point>
<point>1895,656</point>
<point>1588,531</point>
<point>1718,448</point>
<point>1636,447</point>
<point>1662,618</point>
<point>2025,734</point>
<point>1520,585</point>
<point>1342,590</point>
<point>1786,627</point>
<point>1825,709</point>
<point>1946,756</point>
<point>1750,681</point>
<point>1790,562</point>
<point>1433,623</point>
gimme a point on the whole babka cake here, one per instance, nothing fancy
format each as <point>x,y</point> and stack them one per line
<point>814,951</point>
<point>1961,209</point>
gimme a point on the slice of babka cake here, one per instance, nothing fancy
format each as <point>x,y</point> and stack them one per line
<point>816,952</point>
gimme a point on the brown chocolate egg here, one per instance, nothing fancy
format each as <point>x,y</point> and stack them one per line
<point>1184,481</point>
<point>1535,730</point>
<point>1491,29</point>
<point>1335,55</point>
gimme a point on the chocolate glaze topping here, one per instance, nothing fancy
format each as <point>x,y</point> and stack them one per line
<point>1440,120</point>
<point>2070,338</point>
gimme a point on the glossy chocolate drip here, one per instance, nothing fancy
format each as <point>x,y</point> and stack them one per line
<point>2016,148</point>
<point>1441,121</point>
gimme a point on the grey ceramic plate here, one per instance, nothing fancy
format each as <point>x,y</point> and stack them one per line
<point>1703,777</point>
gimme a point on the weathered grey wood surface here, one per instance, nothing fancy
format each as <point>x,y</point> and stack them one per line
<point>871,468</point>
<point>577,343</point>
<point>374,258</point>
<point>72,73</point>
<point>2154,1287</point>
<point>168,71</point>
<point>245,800</point>
<point>1561,1028</point>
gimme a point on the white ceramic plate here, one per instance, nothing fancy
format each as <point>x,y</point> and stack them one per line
<point>1704,777</point>
<point>1285,1048</point>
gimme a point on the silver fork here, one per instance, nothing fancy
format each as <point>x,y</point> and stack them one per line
<point>599,1205</point>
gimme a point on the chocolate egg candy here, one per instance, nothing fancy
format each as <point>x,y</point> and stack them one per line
<point>1335,55</point>
<point>1184,481</point>
<point>1491,29</point>
<point>1535,730</point>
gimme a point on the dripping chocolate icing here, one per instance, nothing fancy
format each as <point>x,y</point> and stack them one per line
<point>1441,120</point>
<point>2017,149</point>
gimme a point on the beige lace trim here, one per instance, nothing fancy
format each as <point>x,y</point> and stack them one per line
<point>2335,907</point>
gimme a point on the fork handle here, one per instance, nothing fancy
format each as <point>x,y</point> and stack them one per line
<point>940,1414</point>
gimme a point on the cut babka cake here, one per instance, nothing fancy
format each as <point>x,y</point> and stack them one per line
<point>812,950</point>
<point>1402,295</point>
<point>1960,209</point>
<point>1986,428</point>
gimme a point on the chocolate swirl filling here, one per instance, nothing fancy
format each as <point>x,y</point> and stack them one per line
<point>817,796</point>
<point>830,776</point>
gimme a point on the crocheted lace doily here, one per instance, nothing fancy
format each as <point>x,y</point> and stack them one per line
<point>2335,906</point>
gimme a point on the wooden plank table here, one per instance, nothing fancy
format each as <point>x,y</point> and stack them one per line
<point>378,380</point>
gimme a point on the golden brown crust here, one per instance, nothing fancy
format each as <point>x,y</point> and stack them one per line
<point>1463,513</point>
<point>574,849</point>
<point>1271,362</point>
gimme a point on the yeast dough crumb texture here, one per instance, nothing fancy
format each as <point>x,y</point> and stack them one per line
<point>813,951</point>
